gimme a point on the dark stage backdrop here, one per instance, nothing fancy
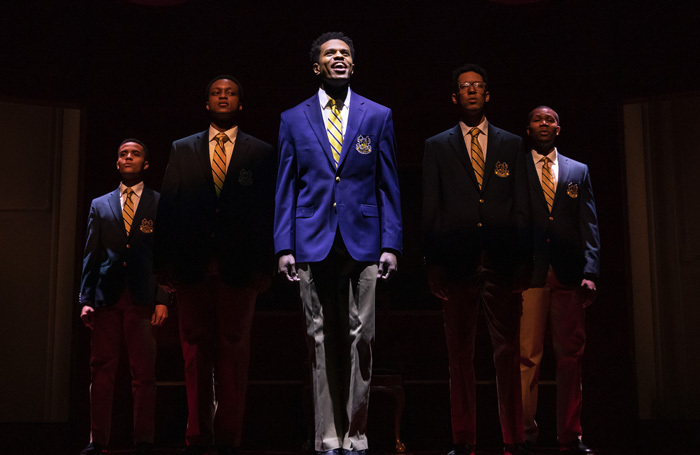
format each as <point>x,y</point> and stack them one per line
<point>142,71</point>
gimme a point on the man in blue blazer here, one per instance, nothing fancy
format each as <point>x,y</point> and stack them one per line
<point>567,261</point>
<point>118,298</point>
<point>214,249</point>
<point>477,249</point>
<point>337,229</point>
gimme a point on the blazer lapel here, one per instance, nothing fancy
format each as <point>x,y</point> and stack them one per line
<point>494,144</point>
<point>147,199</point>
<point>239,156</point>
<point>456,140</point>
<point>115,204</point>
<point>563,179</point>
<point>535,182</point>
<point>315,119</point>
<point>356,115</point>
<point>201,151</point>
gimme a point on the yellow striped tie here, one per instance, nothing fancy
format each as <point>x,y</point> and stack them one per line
<point>128,210</point>
<point>218,163</point>
<point>335,131</point>
<point>477,157</point>
<point>548,182</point>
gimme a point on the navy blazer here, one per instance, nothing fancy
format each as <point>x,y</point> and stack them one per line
<point>464,226</point>
<point>194,226</point>
<point>360,198</point>
<point>113,260</point>
<point>567,238</point>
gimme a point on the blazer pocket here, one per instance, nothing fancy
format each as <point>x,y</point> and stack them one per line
<point>305,211</point>
<point>369,210</point>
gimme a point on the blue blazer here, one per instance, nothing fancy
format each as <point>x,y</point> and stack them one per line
<point>465,226</point>
<point>194,226</point>
<point>567,238</point>
<point>360,198</point>
<point>113,260</point>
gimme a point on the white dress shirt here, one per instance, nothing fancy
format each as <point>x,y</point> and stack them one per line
<point>553,167</point>
<point>483,138</point>
<point>228,145</point>
<point>344,106</point>
<point>135,198</point>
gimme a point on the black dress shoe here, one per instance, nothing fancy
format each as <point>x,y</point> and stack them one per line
<point>93,449</point>
<point>574,448</point>
<point>520,448</point>
<point>461,449</point>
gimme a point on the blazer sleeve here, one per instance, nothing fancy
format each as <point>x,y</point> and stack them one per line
<point>286,191</point>
<point>91,259</point>
<point>388,188</point>
<point>588,219</point>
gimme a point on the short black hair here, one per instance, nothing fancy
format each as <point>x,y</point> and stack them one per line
<point>315,51</point>
<point>465,69</point>
<point>146,153</point>
<point>224,76</point>
<point>532,112</point>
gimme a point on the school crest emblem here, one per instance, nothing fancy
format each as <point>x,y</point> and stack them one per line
<point>245,178</point>
<point>146,226</point>
<point>501,169</point>
<point>364,145</point>
<point>572,190</point>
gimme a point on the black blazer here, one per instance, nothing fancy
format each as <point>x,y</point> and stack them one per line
<point>113,260</point>
<point>464,226</point>
<point>194,226</point>
<point>567,238</point>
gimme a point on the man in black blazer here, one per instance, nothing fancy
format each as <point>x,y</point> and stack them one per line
<point>118,298</point>
<point>214,249</point>
<point>567,261</point>
<point>475,223</point>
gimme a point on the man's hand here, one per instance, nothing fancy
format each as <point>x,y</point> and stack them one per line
<point>159,315</point>
<point>287,266</point>
<point>387,266</point>
<point>87,315</point>
<point>436,282</point>
<point>589,292</point>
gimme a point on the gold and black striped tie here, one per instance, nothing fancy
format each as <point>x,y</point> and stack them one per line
<point>128,210</point>
<point>335,131</point>
<point>548,182</point>
<point>477,157</point>
<point>218,163</point>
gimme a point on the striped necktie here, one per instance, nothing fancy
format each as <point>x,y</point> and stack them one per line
<point>335,131</point>
<point>477,157</point>
<point>218,163</point>
<point>548,182</point>
<point>128,210</point>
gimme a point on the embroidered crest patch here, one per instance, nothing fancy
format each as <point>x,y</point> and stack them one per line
<point>572,190</point>
<point>146,226</point>
<point>501,169</point>
<point>245,178</point>
<point>364,145</point>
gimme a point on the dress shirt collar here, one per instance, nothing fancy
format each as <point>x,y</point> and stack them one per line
<point>483,127</point>
<point>231,133</point>
<point>325,100</point>
<point>553,156</point>
<point>138,189</point>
